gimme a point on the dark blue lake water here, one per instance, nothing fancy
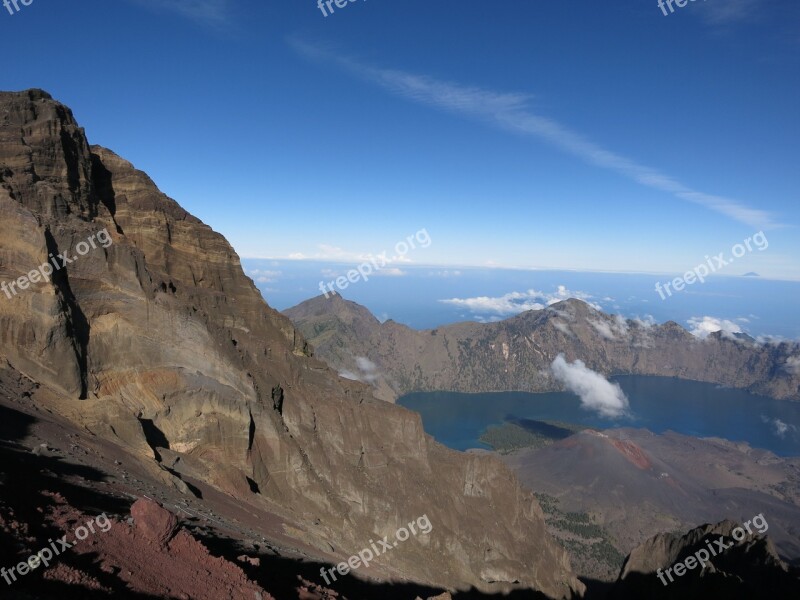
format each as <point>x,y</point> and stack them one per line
<point>657,403</point>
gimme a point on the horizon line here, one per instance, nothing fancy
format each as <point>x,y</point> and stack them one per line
<point>356,262</point>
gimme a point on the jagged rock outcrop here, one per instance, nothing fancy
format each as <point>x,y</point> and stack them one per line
<point>748,569</point>
<point>158,341</point>
<point>515,354</point>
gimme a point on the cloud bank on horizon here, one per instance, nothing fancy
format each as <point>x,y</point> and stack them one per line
<point>595,391</point>
<point>514,303</point>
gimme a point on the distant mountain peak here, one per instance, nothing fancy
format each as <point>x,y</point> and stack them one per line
<point>516,353</point>
<point>575,306</point>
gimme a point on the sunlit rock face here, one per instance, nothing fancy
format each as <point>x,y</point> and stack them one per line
<point>158,341</point>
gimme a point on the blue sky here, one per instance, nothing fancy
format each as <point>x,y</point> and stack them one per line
<point>564,134</point>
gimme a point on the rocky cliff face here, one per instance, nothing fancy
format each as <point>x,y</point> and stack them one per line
<point>158,341</point>
<point>515,354</point>
<point>748,569</point>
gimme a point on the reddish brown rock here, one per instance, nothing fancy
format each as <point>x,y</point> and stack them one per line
<point>255,562</point>
<point>153,521</point>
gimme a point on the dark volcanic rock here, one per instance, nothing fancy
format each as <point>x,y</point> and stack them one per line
<point>748,570</point>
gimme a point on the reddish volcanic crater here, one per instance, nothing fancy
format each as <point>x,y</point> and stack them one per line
<point>633,453</point>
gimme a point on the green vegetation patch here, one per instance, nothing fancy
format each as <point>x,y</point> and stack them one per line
<point>588,544</point>
<point>527,433</point>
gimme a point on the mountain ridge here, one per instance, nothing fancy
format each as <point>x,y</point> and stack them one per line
<point>515,354</point>
<point>160,344</point>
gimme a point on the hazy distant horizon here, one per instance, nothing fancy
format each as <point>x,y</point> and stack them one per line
<point>416,295</point>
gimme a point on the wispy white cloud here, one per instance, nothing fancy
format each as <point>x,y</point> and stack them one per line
<point>702,327</point>
<point>445,273</point>
<point>595,391</point>
<point>726,12</point>
<point>508,304</point>
<point>492,319</point>
<point>621,324</point>
<point>563,328</point>
<point>329,253</point>
<point>390,272</point>
<point>610,329</point>
<point>368,368</point>
<point>793,365</point>
<point>346,374</point>
<point>516,302</point>
<point>780,428</point>
<point>207,12</point>
<point>603,328</point>
<point>512,112</point>
<point>367,371</point>
<point>645,322</point>
<point>264,276</point>
<point>330,274</point>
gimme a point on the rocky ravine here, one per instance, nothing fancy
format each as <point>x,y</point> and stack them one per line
<point>515,354</point>
<point>159,343</point>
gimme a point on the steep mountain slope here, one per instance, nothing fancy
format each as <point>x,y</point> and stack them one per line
<point>515,354</point>
<point>748,569</point>
<point>158,342</point>
<point>638,484</point>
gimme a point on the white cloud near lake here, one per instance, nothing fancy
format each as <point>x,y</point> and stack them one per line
<point>367,371</point>
<point>595,391</point>
<point>779,428</point>
<point>368,368</point>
